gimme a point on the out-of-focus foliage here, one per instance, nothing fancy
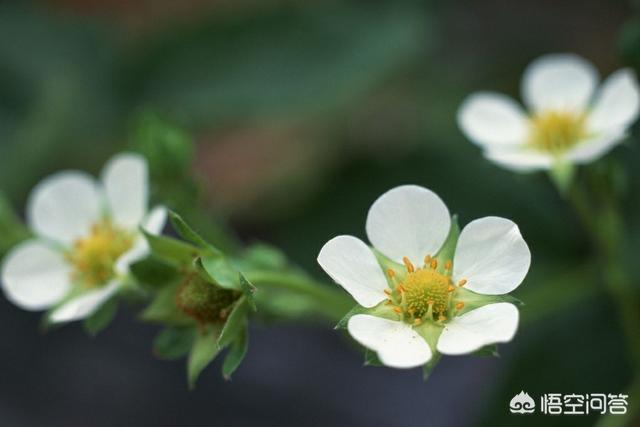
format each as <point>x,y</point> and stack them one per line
<point>298,115</point>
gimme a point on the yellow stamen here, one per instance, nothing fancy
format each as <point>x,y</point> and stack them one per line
<point>391,273</point>
<point>459,305</point>
<point>448,264</point>
<point>434,264</point>
<point>408,264</point>
<point>462,282</point>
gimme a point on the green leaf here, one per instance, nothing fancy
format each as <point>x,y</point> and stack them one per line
<point>248,289</point>
<point>219,271</point>
<point>172,250</point>
<point>236,353</point>
<point>99,320</point>
<point>204,350</point>
<point>490,350</point>
<point>234,323</point>
<point>199,74</point>
<point>428,367</point>
<point>187,233</point>
<point>174,343</point>
<point>163,308</point>
<point>263,256</point>
<point>153,271</point>
<point>448,249</point>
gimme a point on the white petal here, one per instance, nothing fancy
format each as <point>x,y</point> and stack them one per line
<point>138,251</point>
<point>520,160</point>
<point>559,82</point>
<point>594,148</point>
<point>352,265</point>
<point>493,323</point>
<point>617,102</point>
<point>125,180</point>
<point>492,256</point>
<point>397,345</point>
<point>64,206</point>
<point>84,305</point>
<point>155,220</point>
<point>492,119</point>
<point>408,221</point>
<point>34,276</point>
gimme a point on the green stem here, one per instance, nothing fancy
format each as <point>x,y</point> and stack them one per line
<point>605,226</point>
<point>325,300</point>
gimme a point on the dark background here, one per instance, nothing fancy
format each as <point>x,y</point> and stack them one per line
<point>302,114</point>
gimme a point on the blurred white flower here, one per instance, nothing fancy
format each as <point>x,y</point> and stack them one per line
<point>570,120</point>
<point>87,235</point>
<point>418,307</point>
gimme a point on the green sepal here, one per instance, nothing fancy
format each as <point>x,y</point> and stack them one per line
<point>153,271</point>
<point>190,235</point>
<point>428,367</point>
<point>218,270</point>
<point>163,308</point>
<point>562,175</point>
<point>174,343</point>
<point>234,323</point>
<point>431,332</point>
<point>386,264</point>
<point>381,310</point>
<point>205,349</point>
<point>448,249</point>
<point>101,318</point>
<point>371,358</point>
<point>490,350</point>
<point>171,250</point>
<point>237,352</point>
<point>473,300</point>
<point>248,289</point>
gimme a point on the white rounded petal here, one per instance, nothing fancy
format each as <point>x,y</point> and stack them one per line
<point>492,256</point>
<point>352,265</point>
<point>84,305</point>
<point>492,119</point>
<point>408,221</point>
<point>125,179</point>
<point>34,276</point>
<point>396,343</point>
<point>489,324</point>
<point>559,82</point>
<point>155,221</point>
<point>138,251</point>
<point>594,148</point>
<point>617,103</point>
<point>64,206</point>
<point>520,160</point>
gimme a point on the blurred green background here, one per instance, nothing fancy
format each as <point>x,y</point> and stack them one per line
<point>302,113</point>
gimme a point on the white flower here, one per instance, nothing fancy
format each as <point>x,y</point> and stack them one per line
<point>87,235</point>
<point>568,121</point>
<point>420,298</point>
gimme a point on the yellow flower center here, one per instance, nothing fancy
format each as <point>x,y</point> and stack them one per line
<point>93,258</point>
<point>425,293</point>
<point>556,131</point>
